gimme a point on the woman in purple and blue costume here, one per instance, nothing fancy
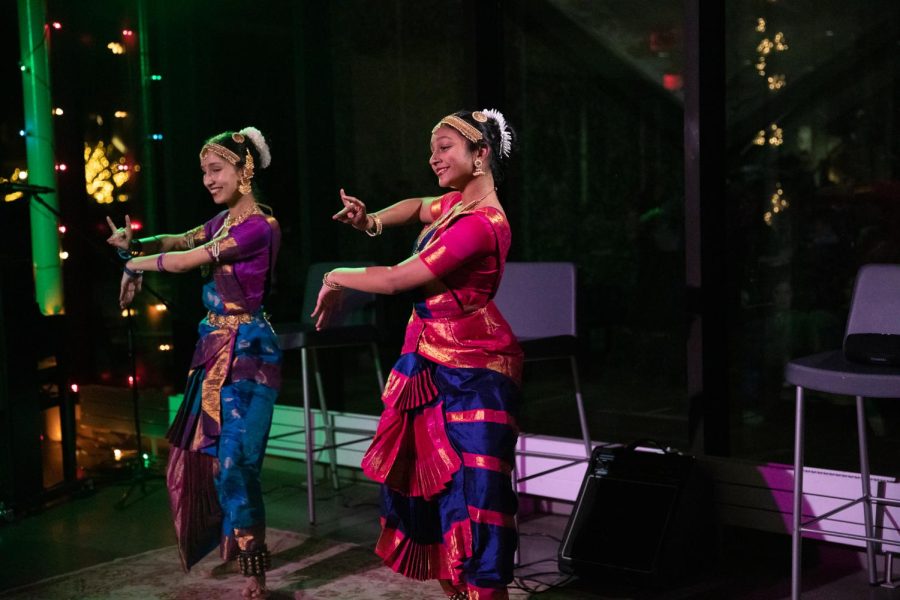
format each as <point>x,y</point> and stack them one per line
<point>219,435</point>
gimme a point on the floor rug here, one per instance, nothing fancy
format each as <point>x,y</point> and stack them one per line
<point>303,567</point>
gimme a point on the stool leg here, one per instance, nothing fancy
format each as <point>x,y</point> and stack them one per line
<point>797,519</point>
<point>378,372</point>
<point>866,488</point>
<point>327,421</point>
<point>579,402</point>
<point>309,440</point>
<point>514,479</point>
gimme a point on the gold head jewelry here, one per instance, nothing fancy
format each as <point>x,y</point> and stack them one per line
<point>221,151</point>
<point>238,137</point>
<point>479,116</point>
<point>467,130</point>
<point>244,186</point>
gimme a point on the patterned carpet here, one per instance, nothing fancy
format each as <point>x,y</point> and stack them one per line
<point>303,567</point>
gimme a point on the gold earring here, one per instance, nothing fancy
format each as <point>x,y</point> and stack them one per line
<point>478,170</point>
<point>244,186</point>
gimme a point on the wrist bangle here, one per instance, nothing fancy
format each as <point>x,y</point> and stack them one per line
<point>378,226</point>
<point>159,263</point>
<point>132,274</point>
<point>123,254</point>
<point>330,284</point>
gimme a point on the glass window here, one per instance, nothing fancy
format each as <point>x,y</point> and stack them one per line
<point>597,93</point>
<point>812,159</point>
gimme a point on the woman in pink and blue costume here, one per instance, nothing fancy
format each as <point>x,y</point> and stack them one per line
<point>219,435</point>
<point>445,443</point>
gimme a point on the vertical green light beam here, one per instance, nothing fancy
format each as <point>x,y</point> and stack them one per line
<point>39,151</point>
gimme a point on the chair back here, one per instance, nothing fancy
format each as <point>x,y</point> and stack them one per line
<point>875,307</point>
<point>358,308</point>
<point>538,299</point>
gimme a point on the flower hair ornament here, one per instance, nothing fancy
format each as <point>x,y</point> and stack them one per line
<point>256,136</point>
<point>505,135</point>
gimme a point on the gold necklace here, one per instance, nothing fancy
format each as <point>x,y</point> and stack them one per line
<point>230,221</point>
<point>449,215</point>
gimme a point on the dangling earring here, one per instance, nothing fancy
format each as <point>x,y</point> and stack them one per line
<point>244,186</point>
<point>478,170</point>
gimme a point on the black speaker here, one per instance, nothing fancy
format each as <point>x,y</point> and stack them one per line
<point>642,516</point>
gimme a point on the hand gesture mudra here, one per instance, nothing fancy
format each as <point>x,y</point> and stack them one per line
<point>121,236</point>
<point>354,212</point>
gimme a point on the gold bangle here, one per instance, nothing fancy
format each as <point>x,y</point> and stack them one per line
<point>376,221</point>
<point>330,284</point>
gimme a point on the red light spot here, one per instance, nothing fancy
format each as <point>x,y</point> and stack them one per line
<point>672,81</point>
<point>127,33</point>
<point>74,388</point>
<point>62,228</point>
<point>57,25</point>
<point>136,225</point>
<point>130,381</point>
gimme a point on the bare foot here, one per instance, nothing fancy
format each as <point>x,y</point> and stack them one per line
<point>255,588</point>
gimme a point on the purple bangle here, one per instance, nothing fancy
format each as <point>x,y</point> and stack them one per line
<point>159,263</point>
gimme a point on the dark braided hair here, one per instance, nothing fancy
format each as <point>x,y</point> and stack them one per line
<point>490,129</point>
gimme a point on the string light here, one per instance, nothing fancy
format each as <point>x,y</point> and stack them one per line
<point>116,48</point>
<point>102,179</point>
<point>160,307</point>
<point>165,347</point>
<point>58,112</point>
<point>777,204</point>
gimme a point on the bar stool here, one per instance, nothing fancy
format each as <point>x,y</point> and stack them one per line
<point>355,324</point>
<point>875,309</point>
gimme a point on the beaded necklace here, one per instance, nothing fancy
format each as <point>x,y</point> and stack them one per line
<point>446,217</point>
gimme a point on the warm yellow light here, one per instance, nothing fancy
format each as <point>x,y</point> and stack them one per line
<point>64,255</point>
<point>116,48</point>
<point>160,307</point>
<point>23,175</point>
<point>779,44</point>
<point>120,114</point>
<point>165,347</point>
<point>12,197</point>
<point>128,311</point>
<point>760,25</point>
<point>117,454</point>
<point>58,112</point>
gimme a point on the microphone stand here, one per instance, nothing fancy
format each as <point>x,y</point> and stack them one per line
<point>140,474</point>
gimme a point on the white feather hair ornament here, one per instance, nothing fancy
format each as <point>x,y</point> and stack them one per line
<point>256,136</point>
<point>505,135</point>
